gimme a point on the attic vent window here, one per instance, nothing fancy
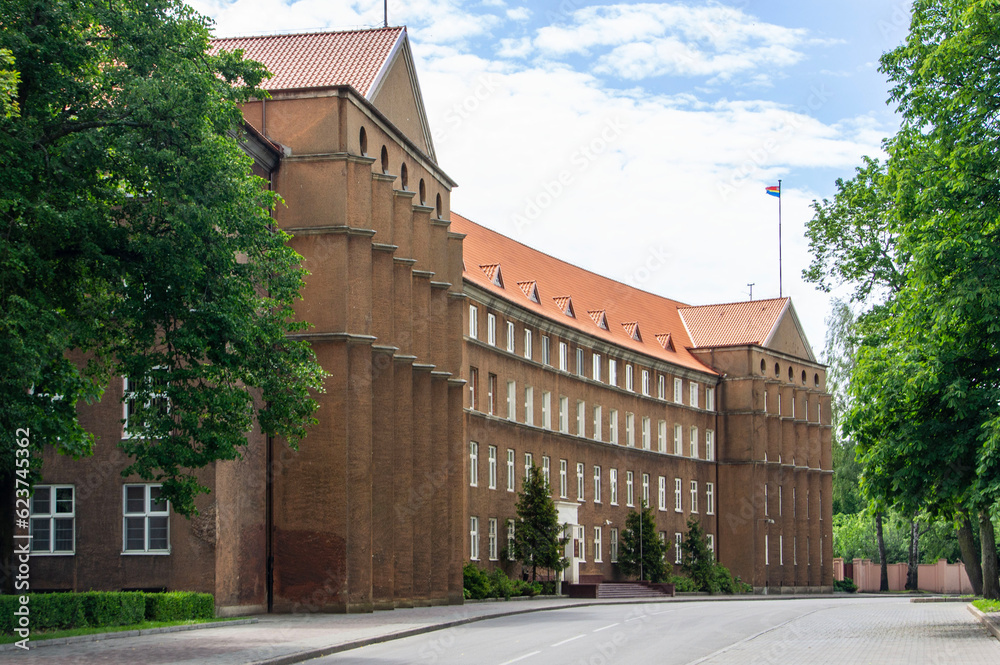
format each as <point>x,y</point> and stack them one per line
<point>565,305</point>
<point>666,341</point>
<point>363,141</point>
<point>493,272</point>
<point>632,328</point>
<point>530,289</point>
<point>599,317</point>
<point>403,179</point>
<point>385,160</point>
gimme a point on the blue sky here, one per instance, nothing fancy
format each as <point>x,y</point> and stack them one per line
<point>610,133</point>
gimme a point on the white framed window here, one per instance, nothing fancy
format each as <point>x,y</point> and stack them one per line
<point>581,418</point>
<point>711,544</point>
<point>795,551</point>
<point>613,426</point>
<point>546,409</point>
<point>793,406</point>
<point>630,429</point>
<point>564,356</point>
<point>493,467</point>
<point>510,540</point>
<point>511,401</point>
<point>661,436</point>
<point>564,414</point>
<point>781,550</point>
<point>709,498</point>
<point>765,401</point>
<point>645,382</point>
<point>694,394</point>
<point>563,479</point>
<point>510,336</point>
<point>582,537</point>
<point>52,523</point>
<point>710,399</point>
<point>529,405</point>
<point>629,489</point>
<point>614,545</point>
<point>527,344</point>
<point>647,435</point>
<point>766,502</point>
<point>709,444</point>
<point>491,394</point>
<point>546,351</point>
<point>473,388</point>
<point>546,470</point>
<point>779,403</point>
<point>662,493</point>
<point>613,485</point>
<point>629,378</point>
<point>678,439</point>
<point>645,489</point>
<point>580,369</point>
<point>528,463</point>
<point>678,540</point>
<point>474,538</point>
<point>678,390</point>
<point>491,329</point>
<point>598,555</point>
<point>779,500</point>
<point>661,387</point>
<point>694,443</point>
<point>678,496</point>
<point>156,400</point>
<point>493,546</point>
<point>473,464</point>
<point>580,485</point>
<point>767,552</point>
<point>694,496</point>
<point>597,484</point>
<point>473,322</point>
<point>597,423</point>
<point>510,470</point>
<point>146,523</point>
<point>596,367</point>
<point>612,372</point>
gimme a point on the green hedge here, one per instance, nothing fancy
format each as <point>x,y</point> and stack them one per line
<point>479,584</point>
<point>95,609</point>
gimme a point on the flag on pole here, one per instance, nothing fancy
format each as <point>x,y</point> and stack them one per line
<point>774,190</point>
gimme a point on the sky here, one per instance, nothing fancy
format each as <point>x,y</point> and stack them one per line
<point>636,139</point>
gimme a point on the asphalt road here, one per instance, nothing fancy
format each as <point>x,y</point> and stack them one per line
<point>805,632</point>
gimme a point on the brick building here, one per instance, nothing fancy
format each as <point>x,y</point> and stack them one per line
<point>456,357</point>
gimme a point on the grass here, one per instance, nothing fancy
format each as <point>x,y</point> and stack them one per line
<point>984,605</point>
<point>72,632</point>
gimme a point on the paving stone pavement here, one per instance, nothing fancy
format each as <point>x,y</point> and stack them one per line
<point>889,633</point>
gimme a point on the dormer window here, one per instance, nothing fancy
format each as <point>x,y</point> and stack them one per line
<point>530,289</point>
<point>565,305</point>
<point>493,272</point>
<point>632,328</point>
<point>599,317</point>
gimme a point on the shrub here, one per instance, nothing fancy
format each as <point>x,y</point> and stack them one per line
<point>178,606</point>
<point>96,609</point>
<point>501,586</point>
<point>682,583</point>
<point>475,581</point>
<point>846,585</point>
<point>56,611</point>
<point>112,608</point>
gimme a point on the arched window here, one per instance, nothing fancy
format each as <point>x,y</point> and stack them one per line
<point>385,160</point>
<point>422,192</point>
<point>402,176</point>
<point>438,206</point>
<point>363,141</point>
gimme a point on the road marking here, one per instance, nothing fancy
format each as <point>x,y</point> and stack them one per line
<point>559,644</point>
<point>527,655</point>
<point>606,627</point>
<point>663,612</point>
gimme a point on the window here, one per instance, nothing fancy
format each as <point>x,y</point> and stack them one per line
<point>546,470</point>
<point>528,463</point>
<point>146,520</point>
<point>474,538</point>
<point>765,401</point>
<point>582,537</point>
<point>678,390</point>
<point>793,406</point>
<point>491,329</point>
<point>766,501</point>
<point>527,344</point>
<point>613,484</point>
<point>510,470</point>
<point>529,405</point>
<point>613,426</point>
<point>547,410</point>
<point>597,423</point>
<point>795,552</point>
<point>473,322</point>
<point>779,500</point>
<point>781,550</point>
<point>510,540</point>
<point>564,356</point>
<point>53,520</point>
<point>597,484</point>
<point>473,388</point>
<point>645,382</point>
<point>614,545</point>
<point>493,467</point>
<point>694,442</point>
<point>629,489</point>
<point>661,387</point>
<point>510,336</point>
<point>156,404</point>
<point>645,489</point>
<point>709,445</point>
<point>767,554</point>
<point>646,433</point>
<point>580,369</point>
<point>563,479</point>
<point>493,539</point>
<point>678,538</point>
<point>661,436</point>
<point>662,494</point>
<point>710,498</point>
<point>581,418</point>
<point>491,394</point>
<point>678,505</point>
<point>694,394</point>
<point>710,399</point>
<point>630,429</point>
<point>579,482</point>
<point>597,367</point>
<point>473,464</point>
<point>598,556</point>
<point>564,415</point>
<point>612,371</point>
<point>678,450</point>
<point>629,379</point>
<point>546,357</point>
<point>511,401</point>
<point>694,496</point>
<point>711,544</point>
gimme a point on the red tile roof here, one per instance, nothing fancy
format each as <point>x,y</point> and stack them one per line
<point>734,324</point>
<point>317,60</point>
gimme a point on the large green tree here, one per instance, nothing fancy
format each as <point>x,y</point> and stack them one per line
<point>538,536</point>
<point>135,241</point>
<point>641,552</point>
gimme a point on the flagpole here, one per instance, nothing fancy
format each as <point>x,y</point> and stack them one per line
<point>780,290</point>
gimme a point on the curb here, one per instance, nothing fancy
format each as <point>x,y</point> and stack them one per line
<point>100,637</point>
<point>991,622</point>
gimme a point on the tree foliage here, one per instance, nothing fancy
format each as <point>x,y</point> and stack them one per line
<point>538,536</point>
<point>641,553</point>
<point>136,241</point>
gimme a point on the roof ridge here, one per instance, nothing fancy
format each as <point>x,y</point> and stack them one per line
<point>308,33</point>
<point>735,302</point>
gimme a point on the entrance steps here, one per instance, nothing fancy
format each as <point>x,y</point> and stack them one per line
<point>626,590</point>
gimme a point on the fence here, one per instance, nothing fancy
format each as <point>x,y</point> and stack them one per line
<point>940,577</point>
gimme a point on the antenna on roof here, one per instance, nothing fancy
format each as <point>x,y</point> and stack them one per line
<point>750,284</point>
<point>385,13</point>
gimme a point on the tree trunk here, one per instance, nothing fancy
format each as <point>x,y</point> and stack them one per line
<point>970,555</point>
<point>913,557</point>
<point>884,581</point>
<point>987,540</point>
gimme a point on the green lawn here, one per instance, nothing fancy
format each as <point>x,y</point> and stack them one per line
<point>8,639</point>
<point>984,605</point>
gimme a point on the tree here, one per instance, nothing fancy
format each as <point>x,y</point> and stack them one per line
<point>136,241</point>
<point>538,538</point>
<point>641,552</point>
<point>697,560</point>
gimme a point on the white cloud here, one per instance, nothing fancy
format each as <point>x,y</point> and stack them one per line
<point>519,14</point>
